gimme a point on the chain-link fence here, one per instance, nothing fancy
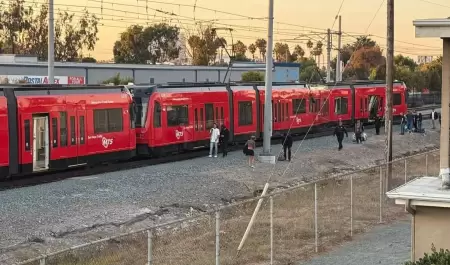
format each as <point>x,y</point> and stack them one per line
<point>291,225</point>
<point>420,99</point>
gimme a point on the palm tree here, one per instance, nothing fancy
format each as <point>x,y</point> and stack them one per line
<point>262,47</point>
<point>252,50</point>
<point>298,50</point>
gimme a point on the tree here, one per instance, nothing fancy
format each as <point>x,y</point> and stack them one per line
<point>363,60</point>
<point>88,60</point>
<point>261,44</point>
<point>436,258</point>
<point>117,80</point>
<point>156,43</point>
<point>252,76</point>
<point>400,60</point>
<point>252,49</point>
<point>282,52</point>
<point>239,49</point>
<point>26,32</point>
<point>299,52</point>
<point>204,46</point>
<point>309,72</point>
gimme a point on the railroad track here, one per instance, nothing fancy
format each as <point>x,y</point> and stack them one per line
<point>48,177</point>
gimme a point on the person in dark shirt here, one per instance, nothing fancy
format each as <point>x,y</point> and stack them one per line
<point>224,138</point>
<point>339,131</point>
<point>287,145</point>
<point>359,129</point>
<point>377,125</point>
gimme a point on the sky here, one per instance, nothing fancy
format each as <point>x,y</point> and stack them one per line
<point>248,18</point>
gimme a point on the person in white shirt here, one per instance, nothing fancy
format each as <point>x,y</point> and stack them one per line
<point>214,140</point>
<point>434,116</point>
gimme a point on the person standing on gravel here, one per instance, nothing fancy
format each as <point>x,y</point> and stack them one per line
<point>287,145</point>
<point>377,125</point>
<point>251,145</point>
<point>224,137</point>
<point>214,140</point>
<point>339,131</point>
<point>434,116</point>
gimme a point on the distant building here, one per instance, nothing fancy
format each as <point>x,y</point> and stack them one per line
<point>421,59</point>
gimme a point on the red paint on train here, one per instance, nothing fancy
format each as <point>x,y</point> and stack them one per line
<point>4,136</point>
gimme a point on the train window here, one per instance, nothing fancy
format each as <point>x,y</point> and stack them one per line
<point>55,132</point>
<point>82,136</point>
<point>287,111</point>
<point>202,119</point>
<point>313,105</point>
<point>397,100</point>
<point>325,107</point>
<point>141,111</point>
<point>177,115</point>
<point>341,105</point>
<point>318,107</point>
<point>222,117</point>
<point>157,115</point>
<point>132,116</point>
<point>73,140</point>
<point>279,118</point>
<point>245,113</point>
<point>27,135</point>
<point>298,106</point>
<point>196,119</point>
<point>108,120</point>
<point>63,128</point>
<point>209,112</point>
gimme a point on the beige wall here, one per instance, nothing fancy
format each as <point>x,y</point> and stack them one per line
<point>431,226</point>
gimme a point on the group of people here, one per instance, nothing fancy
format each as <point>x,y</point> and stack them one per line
<point>411,122</point>
<point>217,137</point>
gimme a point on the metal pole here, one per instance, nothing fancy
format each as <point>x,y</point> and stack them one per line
<point>389,88</point>
<point>271,230</point>
<point>51,43</point>
<point>351,205</point>
<point>316,228</point>
<point>42,261</point>
<point>217,238</point>
<point>149,247</point>
<point>268,93</point>
<point>426,164</point>
<point>328,55</point>
<point>381,194</point>
<point>338,61</point>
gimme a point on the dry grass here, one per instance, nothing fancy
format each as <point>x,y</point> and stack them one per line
<point>294,236</point>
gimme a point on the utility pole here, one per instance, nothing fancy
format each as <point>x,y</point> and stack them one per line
<point>51,43</point>
<point>267,156</point>
<point>389,91</point>
<point>328,55</point>
<point>338,61</point>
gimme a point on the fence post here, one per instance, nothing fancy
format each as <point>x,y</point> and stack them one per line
<point>406,170</point>
<point>271,230</point>
<point>351,206</point>
<point>426,164</point>
<point>149,247</point>
<point>316,229</point>
<point>381,194</point>
<point>42,261</point>
<point>217,238</point>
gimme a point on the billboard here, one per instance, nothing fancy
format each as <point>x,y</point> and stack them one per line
<point>37,79</point>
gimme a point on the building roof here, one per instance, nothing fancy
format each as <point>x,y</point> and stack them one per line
<point>432,28</point>
<point>424,191</point>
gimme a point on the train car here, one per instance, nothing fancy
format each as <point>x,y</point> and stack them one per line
<point>178,117</point>
<point>54,127</point>
<point>4,136</point>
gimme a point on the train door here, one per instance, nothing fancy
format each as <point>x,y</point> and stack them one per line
<point>41,147</point>
<point>363,106</point>
<point>199,123</point>
<point>80,126</point>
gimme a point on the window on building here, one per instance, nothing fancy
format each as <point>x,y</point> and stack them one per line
<point>177,115</point>
<point>108,120</point>
<point>245,113</point>
<point>209,112</point>
<point>63,128</point>
<point>55,132</point>
<point>397,100</point>
<point>157,115</point>
<point>298,106</point>
<point>341,105</point>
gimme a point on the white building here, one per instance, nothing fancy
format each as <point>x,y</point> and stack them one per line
<point>421,59</point>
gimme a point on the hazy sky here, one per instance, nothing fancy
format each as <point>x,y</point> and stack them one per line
<point>356,16</point>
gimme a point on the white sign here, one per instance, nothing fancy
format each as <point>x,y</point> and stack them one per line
<point>178,134</point>
<point>36,79</point>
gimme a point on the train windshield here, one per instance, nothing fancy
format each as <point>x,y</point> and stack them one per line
<point>141,111</point>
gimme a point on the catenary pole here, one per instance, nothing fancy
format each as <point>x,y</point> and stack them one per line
<point>328,55</point>
<point>338,61</point>
<point>268,93</point>
<point>51,42</point>
<point>389,90</point>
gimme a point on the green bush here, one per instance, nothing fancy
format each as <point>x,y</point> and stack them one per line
<point>117,80</point>
<point>252,76</point>
<point>435,258</point>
